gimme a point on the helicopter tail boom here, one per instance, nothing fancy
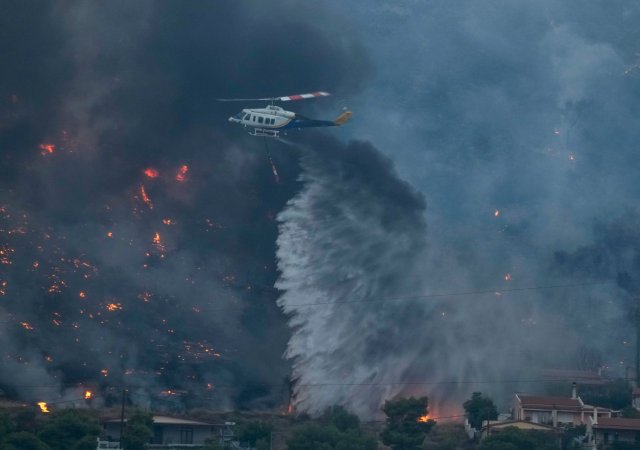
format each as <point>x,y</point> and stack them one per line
<point>343,118</point>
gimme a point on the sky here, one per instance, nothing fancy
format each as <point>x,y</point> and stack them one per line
<point>477,217</point>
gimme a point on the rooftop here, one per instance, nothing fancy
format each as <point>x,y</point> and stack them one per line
<point>167,420</point>
<point>549,402</point>
<point>618,423</point>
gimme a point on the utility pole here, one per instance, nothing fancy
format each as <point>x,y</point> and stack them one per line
<point>124,397</point>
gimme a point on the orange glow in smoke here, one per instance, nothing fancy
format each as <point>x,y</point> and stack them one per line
<point>145,197</point>
<point>88,395</point>
<point>182,172</point>
<point>47,149</point>
<point>424,418</point>
<point>43,407</point>
<point>151,173</point>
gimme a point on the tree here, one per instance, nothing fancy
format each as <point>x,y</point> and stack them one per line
<point>254,431</point>
<point>406,425</point>
<point>6,425</point>
<point>138,431</point>
<point>66,428</point>
<point>630,412</point>
<point>339,417</point>
<point>338,430</point>
<point>479,409</point>
<point>512,438</point>
<point>23,441</point>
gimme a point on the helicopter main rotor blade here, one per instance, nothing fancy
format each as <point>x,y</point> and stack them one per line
<point>287,98</point>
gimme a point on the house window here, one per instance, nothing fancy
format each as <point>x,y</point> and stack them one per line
<point>186,435</point>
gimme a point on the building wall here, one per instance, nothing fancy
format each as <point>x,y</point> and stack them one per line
<point>608,436</point>
<point>179,434</point>
<point>171,434</point>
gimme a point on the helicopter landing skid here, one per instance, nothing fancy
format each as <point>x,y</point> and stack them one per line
<point>264,132</point>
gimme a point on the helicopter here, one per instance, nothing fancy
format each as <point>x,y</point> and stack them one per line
<point>271,120</point>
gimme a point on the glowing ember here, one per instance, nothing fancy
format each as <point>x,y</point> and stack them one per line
<point>82,294</point>
<point>168,222</point>
<point>182,172</point>
<point>114,306</point>
<point>496,213</point>
<point>424,418</point>
<point>109,234</point>
<point>157,241</point>
<point>88,395</point>
<point>43,407</point>
<point>507,277</point>
<point>151,173</point>
<point>104,372</point>
<point>47,149</point>
<point>26,326</point>
<point>145,198</point>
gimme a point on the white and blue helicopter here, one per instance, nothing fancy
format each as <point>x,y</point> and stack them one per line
<point>271,120</point>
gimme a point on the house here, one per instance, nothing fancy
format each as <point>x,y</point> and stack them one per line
<point>555,411</point>
<point>491,427</point>
<point>635,398</point>
<point>606,430</point>
<point>169,431</point>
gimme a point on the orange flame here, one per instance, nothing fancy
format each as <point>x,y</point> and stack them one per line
<point>88,395</point>
<point>43,407</point>
<point>151,173</point>
<point>114,306</point>
<point>180,176</point>
<point>47,149</point>
<point>145,197</point>
<point>423,419</point>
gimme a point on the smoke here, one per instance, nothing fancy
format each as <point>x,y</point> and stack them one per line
<point>137,229</point>
<point>518,123</point>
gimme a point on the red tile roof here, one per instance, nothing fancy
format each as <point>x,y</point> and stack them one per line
<point>549,403</point>
<point>618,423</point>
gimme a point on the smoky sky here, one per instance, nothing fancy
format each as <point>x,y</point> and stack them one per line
<point>138,226</point>
<point>518,122</point>
<point>510,134</point>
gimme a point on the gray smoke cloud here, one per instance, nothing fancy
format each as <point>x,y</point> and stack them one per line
<point>517,121</point>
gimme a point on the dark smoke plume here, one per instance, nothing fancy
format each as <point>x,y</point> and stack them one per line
<point>137,229</point>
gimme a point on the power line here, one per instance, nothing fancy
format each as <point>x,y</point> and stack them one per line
<point>456,294</point>
<point>180,390</point>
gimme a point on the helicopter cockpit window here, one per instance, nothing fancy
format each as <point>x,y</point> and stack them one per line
<point>247,117</point>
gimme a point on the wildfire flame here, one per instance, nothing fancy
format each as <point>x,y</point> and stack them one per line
<point>151,173</point>
<point>114,306</point>
<point>43,407</point>
<point>145,197</point>
<point>424,418</point>
<point>182,172</point>
<point>88,395</point>
<point>47,149</point>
